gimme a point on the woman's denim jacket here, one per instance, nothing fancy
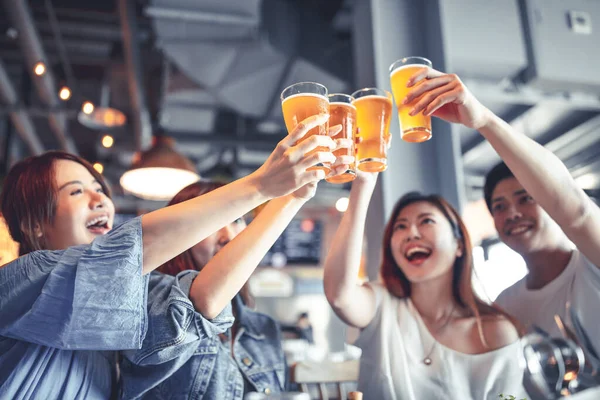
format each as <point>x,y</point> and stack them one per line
<point>182,356</point>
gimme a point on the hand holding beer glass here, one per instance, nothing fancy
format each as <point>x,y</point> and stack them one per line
<point>413,128</point>
<point>343,113</point>
<point>300,101</point>
<point>373,115</point>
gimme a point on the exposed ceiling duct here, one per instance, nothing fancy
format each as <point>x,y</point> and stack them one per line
<point>20,119</point>
<point>244,52</point>
<point>142,126</point>
<point>20,16</point>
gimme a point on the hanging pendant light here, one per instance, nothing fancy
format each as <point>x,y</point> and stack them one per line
<point>160,172</point>
<point>101,116</point>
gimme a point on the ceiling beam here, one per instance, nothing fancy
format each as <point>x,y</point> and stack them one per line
<point>474,148</point>
<point>483,149</point>
<point>20,119</point>
<point>142,126</point>
<point>573,141</point>
<point>33,51</point>
<point>511,93</point>
<point>250,141</point>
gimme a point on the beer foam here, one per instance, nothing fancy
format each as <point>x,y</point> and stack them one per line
<point>340,103</point>
<point>372,97</point>
<point>407,66</point>
<point>305,95</point>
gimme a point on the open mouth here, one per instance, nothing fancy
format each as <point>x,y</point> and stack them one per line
<point>518,230</point>
<point>98,224</point>
<point>417,254</point>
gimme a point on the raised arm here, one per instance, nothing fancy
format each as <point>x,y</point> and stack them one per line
<point>541,173</point>
<point>225,274</point>
<point>231,267</point>
<point>353,302</point>
<point>172,230</point>
<point>549,182</point>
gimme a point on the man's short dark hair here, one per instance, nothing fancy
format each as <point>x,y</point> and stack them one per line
<point>493,177</point>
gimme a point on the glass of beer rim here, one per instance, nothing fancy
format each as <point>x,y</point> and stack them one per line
<point>340,98</point>
<point>371,92</point>
<point>412,60</point>
<point>304,87</point>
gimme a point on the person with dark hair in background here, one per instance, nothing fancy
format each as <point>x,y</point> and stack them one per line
<point>424,332</point>
<point>79,288</point>
<point>205,340</point>
<point>304,328</point>
<point>538,209</point>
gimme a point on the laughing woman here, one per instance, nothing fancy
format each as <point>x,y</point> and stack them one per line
<point>79,289</point>
<point>424,333</point>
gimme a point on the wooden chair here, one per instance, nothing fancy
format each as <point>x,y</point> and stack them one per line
<point>324,373</point>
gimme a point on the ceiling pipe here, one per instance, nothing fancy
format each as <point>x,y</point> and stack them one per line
<point>19,118</point>
<point>21,18</point>
<point>142,126</point>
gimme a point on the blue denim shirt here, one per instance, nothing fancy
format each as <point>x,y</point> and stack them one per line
<point>182,357</point>
<point>62,312</point>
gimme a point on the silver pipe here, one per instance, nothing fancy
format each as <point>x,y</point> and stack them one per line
<point>142,126</point>
<point>20,16</point>
<point>201,16</point>
<point>20,119</point>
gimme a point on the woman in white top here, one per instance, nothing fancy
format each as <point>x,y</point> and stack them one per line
<point>425,334</point>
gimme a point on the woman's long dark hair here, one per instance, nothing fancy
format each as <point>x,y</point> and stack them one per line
<point>398,284</point>
<point>185,261</point>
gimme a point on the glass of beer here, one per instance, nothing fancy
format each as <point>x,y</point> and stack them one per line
<point>373,115</point>
<point>342,112</point>
<point>300,101</point>
<point>417,128</point>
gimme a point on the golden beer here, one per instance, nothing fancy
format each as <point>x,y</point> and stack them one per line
<point>343,113</point>
<point>373,115</point>
<point>301,101</point>
<point>417,128</point>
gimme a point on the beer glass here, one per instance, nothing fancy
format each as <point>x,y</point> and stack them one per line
<point>300,101</point>
<point>373,115</point>
<point>342,112</point>
<point>415,128</point>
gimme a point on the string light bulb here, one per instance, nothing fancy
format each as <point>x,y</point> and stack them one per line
<point>88,107</point>
<point>99,167</point>
<point>65,93</point>
<point>108,141</point>
<point>39,68</point>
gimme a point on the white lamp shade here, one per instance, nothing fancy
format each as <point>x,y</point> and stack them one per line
<point>157,183</point>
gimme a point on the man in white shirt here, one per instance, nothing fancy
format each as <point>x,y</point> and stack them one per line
<point>560,275</point>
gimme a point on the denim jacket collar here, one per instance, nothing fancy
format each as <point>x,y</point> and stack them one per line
<point>248,319</point>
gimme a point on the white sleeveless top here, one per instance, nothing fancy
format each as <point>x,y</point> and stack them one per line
<point>395,343</point>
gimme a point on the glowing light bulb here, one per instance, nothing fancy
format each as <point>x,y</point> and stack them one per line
<point>65,93</point>
<point>39,69</point>
<point>99,167</point>
<point>88,107</point>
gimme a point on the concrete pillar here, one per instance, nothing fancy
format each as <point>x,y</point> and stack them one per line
<point>384,31</point>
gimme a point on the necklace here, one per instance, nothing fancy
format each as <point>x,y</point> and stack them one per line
<point>427,360</point>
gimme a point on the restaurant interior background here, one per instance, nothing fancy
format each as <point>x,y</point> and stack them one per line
<point>105,79</point>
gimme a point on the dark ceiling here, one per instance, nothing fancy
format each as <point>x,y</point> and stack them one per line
<point>209,74</point>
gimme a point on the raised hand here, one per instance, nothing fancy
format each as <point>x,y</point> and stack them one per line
<point>446,97</point>
<point>285,170</point>
<point>340,166</point>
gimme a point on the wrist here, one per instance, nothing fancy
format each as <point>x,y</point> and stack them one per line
<point>365,182</point>
<point>487,121</point>
<point>254,182</point>
<point>293,200</point>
